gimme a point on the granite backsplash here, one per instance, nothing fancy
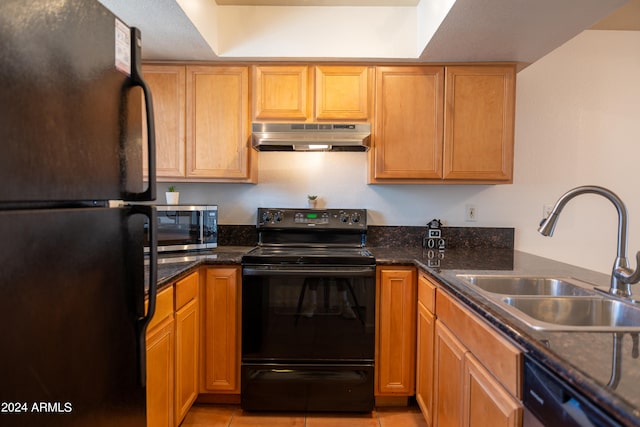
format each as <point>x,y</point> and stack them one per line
<point>394,236</point>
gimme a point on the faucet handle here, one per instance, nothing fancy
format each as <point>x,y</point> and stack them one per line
<point>626,275</point>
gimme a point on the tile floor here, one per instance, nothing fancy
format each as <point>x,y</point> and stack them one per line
<point>202,415</point>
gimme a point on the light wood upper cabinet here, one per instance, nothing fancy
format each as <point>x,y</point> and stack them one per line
<point>450,124</point>
<point>218,124</point>
<point>311,93</point>
<point>167,84</point>
<point>407,141</point>
<point>479,117</point>
<point>342,92</point>
<point>396,329</point>
<point>201,123</point>
<point>281,92</point>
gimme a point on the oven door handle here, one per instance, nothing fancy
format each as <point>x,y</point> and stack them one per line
<point>324,271</point>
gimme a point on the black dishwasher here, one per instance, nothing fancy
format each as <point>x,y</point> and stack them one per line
<point>554,402</point>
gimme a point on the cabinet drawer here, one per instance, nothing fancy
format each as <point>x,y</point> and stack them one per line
<point>186,290</point>
<point>427,293</point>
<point>496,353</point>
<point>164,307</point>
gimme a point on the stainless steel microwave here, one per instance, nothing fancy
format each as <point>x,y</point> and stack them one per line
<point>186,227</point>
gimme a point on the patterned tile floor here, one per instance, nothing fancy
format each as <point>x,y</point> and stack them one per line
<point>202,415</point>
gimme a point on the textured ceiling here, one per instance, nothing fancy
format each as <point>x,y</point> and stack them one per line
<point>626,18</point>
<point>474,30</point>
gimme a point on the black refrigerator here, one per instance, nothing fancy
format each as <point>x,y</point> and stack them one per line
<point>72,277</point>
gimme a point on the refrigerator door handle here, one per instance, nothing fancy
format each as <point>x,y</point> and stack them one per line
<point>137,80</point>
<point>144,318</point>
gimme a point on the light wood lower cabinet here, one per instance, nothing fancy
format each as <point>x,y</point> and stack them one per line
<point>220,367</point>
<point>172,353</point>
<point>487,403</point>
<point>187,320</point>
<point>449,378</point>
<point>425,347</point>
<point>395,333</point>
<point>161,363</point>
<point>478,373</point>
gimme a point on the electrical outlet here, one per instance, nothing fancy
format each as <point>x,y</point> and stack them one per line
<point>470,213</point>
<point>546,210</point>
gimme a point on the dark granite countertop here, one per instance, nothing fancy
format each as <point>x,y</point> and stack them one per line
<point>584,360</point>
<point>172,267</point>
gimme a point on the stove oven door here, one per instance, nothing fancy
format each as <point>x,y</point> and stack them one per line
<point>308,336</point>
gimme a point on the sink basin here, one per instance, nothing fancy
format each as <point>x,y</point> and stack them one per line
<point>556,304</point>
<point>574,313</point>
<point>517,285</point>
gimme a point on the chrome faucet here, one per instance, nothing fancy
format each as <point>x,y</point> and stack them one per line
<point>621,276</point>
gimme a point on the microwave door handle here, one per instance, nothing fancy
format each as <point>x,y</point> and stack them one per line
<point>201,215</point>
<point>136,80</point>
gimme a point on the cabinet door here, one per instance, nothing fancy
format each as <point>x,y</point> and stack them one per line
<point>425,362</point>
<point>281,92</point>
<point>449,378</point>
<point>342,92</point>
<point>487,403</point>
<point>396,340</point>
<point>187,346</point>
<point>222,330</point>
<point>160,374</point>
<point>479,117</point>
<point>167,83</point>
<point>408,124</point>
<point>218,124</point>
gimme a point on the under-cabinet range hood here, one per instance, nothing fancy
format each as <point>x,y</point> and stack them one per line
<point>311,136</point>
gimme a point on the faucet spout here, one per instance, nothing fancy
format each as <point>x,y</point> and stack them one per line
<point>621,275</point>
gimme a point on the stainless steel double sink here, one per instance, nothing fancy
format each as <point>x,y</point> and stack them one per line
<point>556,304</point>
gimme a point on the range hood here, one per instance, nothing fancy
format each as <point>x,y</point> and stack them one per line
<point>311,136</point>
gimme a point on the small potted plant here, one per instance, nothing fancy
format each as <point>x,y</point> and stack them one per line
<point>172,196</point>
<point>312,201</point>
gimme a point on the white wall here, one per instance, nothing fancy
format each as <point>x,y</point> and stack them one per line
<point>577,123</point>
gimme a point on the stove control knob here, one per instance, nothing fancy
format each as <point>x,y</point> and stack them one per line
<point>355,217</point>
<point>344,217</point>
<point>278,216</point>
<point>266,216</point>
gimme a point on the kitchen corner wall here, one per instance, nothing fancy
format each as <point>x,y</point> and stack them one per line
<point>577,123</point>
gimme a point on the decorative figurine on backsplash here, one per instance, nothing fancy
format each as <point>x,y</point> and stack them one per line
<point>433,238</point>
<point>433,243</point>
